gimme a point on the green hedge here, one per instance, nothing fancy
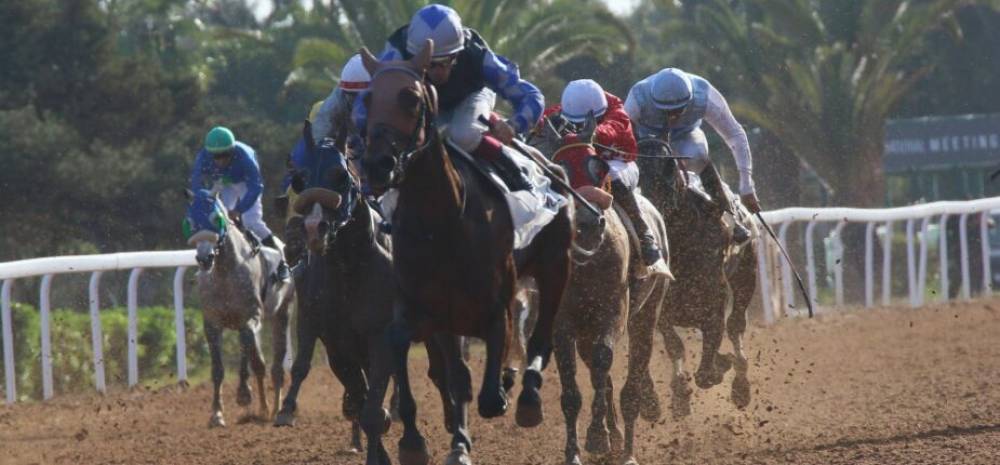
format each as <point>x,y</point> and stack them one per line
<point>72,364</point>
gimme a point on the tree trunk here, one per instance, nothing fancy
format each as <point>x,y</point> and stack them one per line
<point>861,185</point>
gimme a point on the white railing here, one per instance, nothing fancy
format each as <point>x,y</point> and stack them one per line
<point>916,261</point>
<point>47,268</point>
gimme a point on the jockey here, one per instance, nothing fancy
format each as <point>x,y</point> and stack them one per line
<point>334,116</point>
<point>230,167</point>
<point>468,76</point>
<point>671,104</point>
<point>614,131</point>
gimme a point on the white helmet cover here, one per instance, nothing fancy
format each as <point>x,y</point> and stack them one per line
<point>671,89</point>
<point>354,77</point>
<point>439,23</point>
<point>581,97</point>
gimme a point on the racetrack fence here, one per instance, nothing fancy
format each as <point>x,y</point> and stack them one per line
<point>924,227</point>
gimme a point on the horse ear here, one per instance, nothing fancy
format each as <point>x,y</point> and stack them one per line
<point>307,134</point>
<point>589,127</point>
<point>369,60</point>
<point>423,59</point>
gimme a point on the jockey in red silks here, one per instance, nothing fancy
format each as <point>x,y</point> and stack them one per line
<point>617,147</point>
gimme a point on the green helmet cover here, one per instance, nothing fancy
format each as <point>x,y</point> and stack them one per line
<point>219,139</point>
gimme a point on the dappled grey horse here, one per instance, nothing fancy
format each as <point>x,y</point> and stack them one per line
<point>238,289</point>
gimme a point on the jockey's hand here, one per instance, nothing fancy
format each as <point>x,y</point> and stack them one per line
<point>750,201</point>
<point>234,216</point>
<point>502,131</point>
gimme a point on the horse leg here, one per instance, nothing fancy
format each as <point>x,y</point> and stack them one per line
<point>551,283</point>
<point>213,334</point>
<point>492,397</point>
<point>713,366</point>
<point>640,347</point>
<point>743,288</point>
<point>300,369</point>
<point>680,402</point>
<point>350,374</point>
<point>412,446</point>
<point>243,391</point>
<point>279,348</point>
<point>611,419</point>
<point>374,419</point>
<point>460,385</point>
<point>251,346</point>
<point>516,351</point>
<point>571,400</point>
<point>600,355</point>
<point>436,372</point>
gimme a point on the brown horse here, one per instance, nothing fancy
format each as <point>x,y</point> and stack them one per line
<point>709,268</point>
<point>453,258</point>
<point>605,288</point>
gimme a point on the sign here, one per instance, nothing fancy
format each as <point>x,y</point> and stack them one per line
<point>941,142</point>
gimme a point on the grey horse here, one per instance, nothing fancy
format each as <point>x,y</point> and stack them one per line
<point>238,291</point>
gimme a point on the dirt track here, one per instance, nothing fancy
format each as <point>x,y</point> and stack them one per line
<point>885,387</point>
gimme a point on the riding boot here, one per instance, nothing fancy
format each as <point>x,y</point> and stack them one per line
<point>490,149</point>
<point>283,273</point>
<point>647,241</point>
<point>713,186</point>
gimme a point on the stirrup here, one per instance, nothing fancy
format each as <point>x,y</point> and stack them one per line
<point>740,233</point>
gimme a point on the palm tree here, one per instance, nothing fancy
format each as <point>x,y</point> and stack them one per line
<point>538,35</point>
<point>823,75</point>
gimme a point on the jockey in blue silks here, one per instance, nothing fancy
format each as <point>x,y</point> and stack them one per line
<point>671,105</point>
<point>468,76</point>
<point>230,168</point>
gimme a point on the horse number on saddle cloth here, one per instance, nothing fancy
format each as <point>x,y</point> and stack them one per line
<point>530,210</point>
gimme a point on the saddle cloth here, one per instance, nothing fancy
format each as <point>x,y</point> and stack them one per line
<point>533,209</point>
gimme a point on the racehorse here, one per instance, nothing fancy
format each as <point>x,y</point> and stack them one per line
<point>344,298</point>
<point>709,268</point>
<point>238,288</point>
<point>453,256</point>
<point>605,288</point>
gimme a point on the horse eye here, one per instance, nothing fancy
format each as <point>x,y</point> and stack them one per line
<point>408,100</point>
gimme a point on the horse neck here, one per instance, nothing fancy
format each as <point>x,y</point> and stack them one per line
<point>235,250</point>
<point>434,183</point>
<point>356,237</point>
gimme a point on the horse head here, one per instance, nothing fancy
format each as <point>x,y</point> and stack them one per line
<point>205,226</point>
<point>666,181</point>
<point>327,193</point>
<point>400,110</point>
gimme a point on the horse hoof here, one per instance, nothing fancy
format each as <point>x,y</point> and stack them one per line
<point>413,452</point>
<point>649,406</point>
<point>243,396</point>
<point>492,406</point>
<point>741,392</point>
<point>598,441</point>
<point>458,456</point>
<point>574,459</point>
<point>631,461</point>
<point>529,409</point>
<point>680,402</point>
<point>509,378</point>
<point>705,379</point>
<point>216,421</point>
<point>284,419</point>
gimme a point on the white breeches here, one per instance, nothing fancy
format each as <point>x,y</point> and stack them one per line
<point>253,219</point>
<point>462,124</point>
<point>692,145</point>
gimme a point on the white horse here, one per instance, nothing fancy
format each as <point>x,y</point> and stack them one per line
<point>238,289</point>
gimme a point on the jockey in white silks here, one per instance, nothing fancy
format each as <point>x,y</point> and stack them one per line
<point>230,168</point>
<point>333,118</point>
<point>671,105</point>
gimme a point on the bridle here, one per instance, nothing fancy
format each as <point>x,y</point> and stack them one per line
<point>425,123</point>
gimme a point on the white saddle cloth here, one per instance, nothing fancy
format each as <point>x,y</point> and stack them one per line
<point>530,210</point>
